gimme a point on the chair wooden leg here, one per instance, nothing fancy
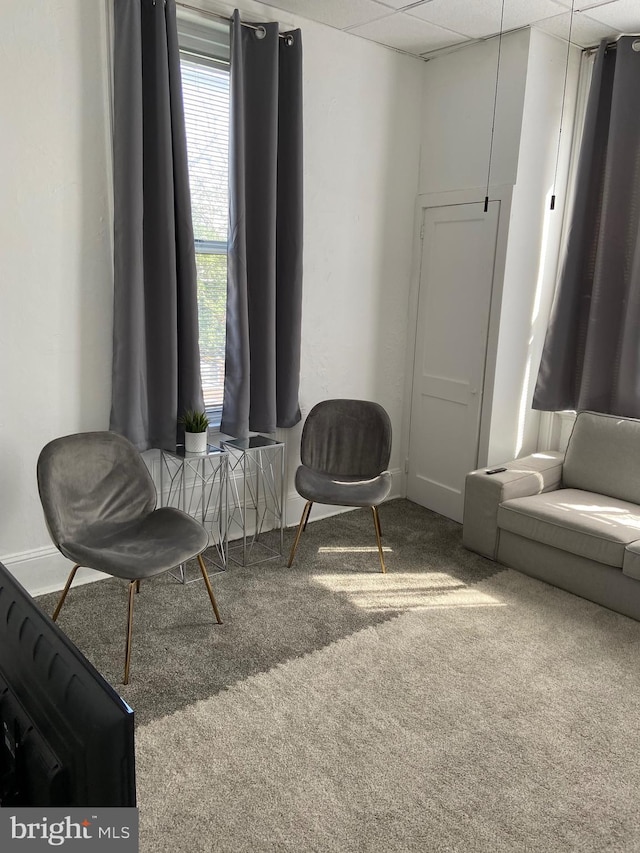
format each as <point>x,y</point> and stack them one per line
<point>209,589</point>
<point>127,651</point>
<point>302,526</point>
<point>376,524</point>
<point>72,575</point>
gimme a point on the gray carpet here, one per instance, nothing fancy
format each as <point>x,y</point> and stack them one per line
<point>271,614</point>
<point>446,706</point>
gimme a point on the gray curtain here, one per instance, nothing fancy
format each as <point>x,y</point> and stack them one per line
<point>591,357</point>
<point>264,287</point>
<point>156,358</point>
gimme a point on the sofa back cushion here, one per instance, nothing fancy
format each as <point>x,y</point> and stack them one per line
<point>603,456</point>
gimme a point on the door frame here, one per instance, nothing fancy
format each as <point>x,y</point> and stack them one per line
<point>502,194</point>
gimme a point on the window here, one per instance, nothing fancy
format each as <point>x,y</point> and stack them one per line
<point>204,55</point>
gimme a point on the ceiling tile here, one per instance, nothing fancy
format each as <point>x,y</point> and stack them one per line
<point>408,34</point>
<point>428,26</point>
<point>583,5</point>
<point>585,32</point>
<point>398,4</point>
<point>478,20</point>
<point>623,15</point>
<point>336,13</point>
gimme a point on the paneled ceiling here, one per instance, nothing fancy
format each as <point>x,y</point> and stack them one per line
<point>427,27</point>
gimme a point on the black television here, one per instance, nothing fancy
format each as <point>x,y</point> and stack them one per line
<point>67,737</point>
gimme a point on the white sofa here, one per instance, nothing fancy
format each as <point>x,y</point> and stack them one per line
<point>571,519</point>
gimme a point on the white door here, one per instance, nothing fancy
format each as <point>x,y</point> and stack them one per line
<point>456,279</point>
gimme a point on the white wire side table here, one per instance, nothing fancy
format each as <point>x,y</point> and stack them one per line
<point>255,499</point>
<point>197,483</point>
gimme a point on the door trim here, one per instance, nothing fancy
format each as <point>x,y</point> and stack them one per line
<point>503,194</point>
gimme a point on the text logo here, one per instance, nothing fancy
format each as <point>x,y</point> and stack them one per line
<point>32,829</point>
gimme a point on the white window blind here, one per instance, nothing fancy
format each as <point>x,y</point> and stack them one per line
<point>205,87</point>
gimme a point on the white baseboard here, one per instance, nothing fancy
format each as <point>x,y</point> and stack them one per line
<point>43,570</point>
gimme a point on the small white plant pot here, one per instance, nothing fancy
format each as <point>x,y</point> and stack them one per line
<point>195,442</point>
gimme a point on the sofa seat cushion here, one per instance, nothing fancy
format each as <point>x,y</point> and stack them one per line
<point>583,523</point>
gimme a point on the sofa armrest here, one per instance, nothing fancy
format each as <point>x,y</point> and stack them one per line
<point>531,475</point>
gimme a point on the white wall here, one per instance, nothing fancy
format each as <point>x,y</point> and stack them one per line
<point>533,247</point>
<point>457,114</point>
<point>362,140</point>
<point>55,311</point>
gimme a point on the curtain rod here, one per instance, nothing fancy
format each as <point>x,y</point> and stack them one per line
<point>257,27</point>
<point>612,45</point>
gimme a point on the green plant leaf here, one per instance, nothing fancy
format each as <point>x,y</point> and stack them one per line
<point>194,421</point>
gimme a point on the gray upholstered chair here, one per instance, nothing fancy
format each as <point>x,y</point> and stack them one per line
<point>99,504</point>
<point>345,450</point>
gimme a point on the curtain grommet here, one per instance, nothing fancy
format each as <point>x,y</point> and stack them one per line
<point>261,33</point>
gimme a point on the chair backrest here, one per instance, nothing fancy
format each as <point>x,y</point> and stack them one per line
<point>349,438</point>
<point>91,478</point>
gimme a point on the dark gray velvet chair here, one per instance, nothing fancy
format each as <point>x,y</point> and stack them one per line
<point>345,450</point>
<point>99,503</point>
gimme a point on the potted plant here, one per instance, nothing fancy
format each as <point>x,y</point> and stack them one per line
<point>196,425</point>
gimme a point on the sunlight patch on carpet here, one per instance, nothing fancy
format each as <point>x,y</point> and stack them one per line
<point>407,591</point>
